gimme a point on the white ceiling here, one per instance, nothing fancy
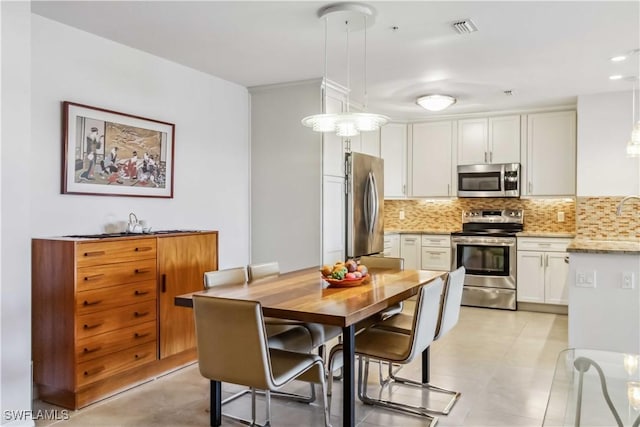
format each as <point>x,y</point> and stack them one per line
<point>547,52</point>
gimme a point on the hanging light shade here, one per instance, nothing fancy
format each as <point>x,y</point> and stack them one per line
<point>435,102</point>
<point>346,124</point>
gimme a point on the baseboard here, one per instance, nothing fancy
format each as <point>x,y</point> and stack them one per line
<point>542,308</point>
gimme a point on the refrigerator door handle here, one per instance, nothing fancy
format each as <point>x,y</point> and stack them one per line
<point>376,203</point>
<point>369,203</point>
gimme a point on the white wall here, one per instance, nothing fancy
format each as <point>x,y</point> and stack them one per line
<point>15,267</point>
<point>604,127</point>
<point>211,117</point>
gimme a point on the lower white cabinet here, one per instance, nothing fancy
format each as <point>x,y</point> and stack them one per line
<point>391,245</point>
<point>410,246</point>
<point>436,252</point>
<point>542,270</point>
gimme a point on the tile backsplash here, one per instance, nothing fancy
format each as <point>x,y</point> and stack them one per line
<point>446,215</point>
<point>596,218</point>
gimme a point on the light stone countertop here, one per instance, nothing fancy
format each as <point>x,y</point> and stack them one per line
<point>604,246</point>
<point>387,231</point>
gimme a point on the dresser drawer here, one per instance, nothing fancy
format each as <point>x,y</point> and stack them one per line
<point>439,240</point>
<point>96,253</point>
<point>114,296</point>
<point>103,367</point>
<point>100,276</point>
<point>110,342</point>
<point>542,244</point>
<point>121,317</point>
<point>436,259</point>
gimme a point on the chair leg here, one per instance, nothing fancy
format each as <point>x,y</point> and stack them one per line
<point>455,394</point>
<point>396,406</point>
<point>267,395</point>
<point>325,407</point>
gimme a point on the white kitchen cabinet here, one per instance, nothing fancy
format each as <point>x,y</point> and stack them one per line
<point>431,152</point>
<point>392,245</point>
<point>489,140</point>
<point>436,252</point>
<point>410,248</point>
<point>393,149</point>
<point>542,270</point>
<point>550,166</point>
<point>369,143</point>
<point>333,146</point>
<point>333,220</point>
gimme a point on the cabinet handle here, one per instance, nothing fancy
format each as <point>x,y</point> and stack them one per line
<point>485,157</point>
<point>140,356</point>
<point>86,303</point>
<point>566,260</point>
<point>541,262</point>
<point>94,371</point>
<point>434,253</point>
<point>136,314</point>
<point>544,244</point>
<point>95,276</point>
<point>546,260</point>
<point>164,283</point>
<point>91,350</point>
<point>141,270</point>
<point>143,249</point>
<point>404,188</point>
<point>448,189</point>
<point>490,156</point>
<point>140,292</point>
<point>137,335</point>
<point>91,326</point>
<point>530,187</point>
<point>95,253</point>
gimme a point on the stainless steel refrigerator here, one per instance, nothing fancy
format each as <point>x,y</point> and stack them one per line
<point>365,204</point>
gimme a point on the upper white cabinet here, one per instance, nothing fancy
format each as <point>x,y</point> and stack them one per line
<point>393,149</point>
<point>430,162</point>
<point>369,143</point>
<point>333,146</point>
<point>550,167</point>
<point>489,140</point>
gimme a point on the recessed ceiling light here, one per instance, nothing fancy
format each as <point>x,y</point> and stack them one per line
<point>618,58</point>
<point>615,77</point>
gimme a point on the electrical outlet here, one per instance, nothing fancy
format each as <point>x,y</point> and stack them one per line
<point>560,216</point>
<point>401,213</point>
<point>627,279</point>
<point>586,279</point>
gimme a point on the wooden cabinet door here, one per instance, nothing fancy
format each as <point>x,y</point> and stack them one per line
<point>431,147</point>
<point>182,262</point>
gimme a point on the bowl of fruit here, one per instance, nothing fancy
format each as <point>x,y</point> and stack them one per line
<point>344,274</point>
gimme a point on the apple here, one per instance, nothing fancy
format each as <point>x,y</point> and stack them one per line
<point>357,274</point>
<point>350,276</point>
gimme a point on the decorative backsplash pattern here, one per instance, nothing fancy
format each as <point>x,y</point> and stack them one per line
<point>540,215</point>
<point>596,218</point>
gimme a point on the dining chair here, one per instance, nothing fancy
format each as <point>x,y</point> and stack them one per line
<point>392,347</point>
<point>387,263</point>
<point>320,333</point>
<point>225,329</point>
<point>448,317</point>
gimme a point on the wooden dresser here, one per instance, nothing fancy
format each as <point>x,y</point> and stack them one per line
<point>103,313</point>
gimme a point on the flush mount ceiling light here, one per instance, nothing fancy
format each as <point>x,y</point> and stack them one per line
<point>346,124</point>
<point>624,56</point>
<point>435,102</point>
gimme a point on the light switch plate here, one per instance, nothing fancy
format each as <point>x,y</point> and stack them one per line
<point>586,279</point>
<point>627,280</point>
<point>401,213</point>
<point>560,216</point>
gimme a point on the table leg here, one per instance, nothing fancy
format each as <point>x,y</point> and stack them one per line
<point>348,376</point>
<point>425,366</point>
<point>215,407</point>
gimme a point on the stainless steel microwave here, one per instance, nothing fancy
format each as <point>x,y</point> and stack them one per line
<point>489,180</point>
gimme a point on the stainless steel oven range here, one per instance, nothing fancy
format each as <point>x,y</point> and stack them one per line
<point>486,247</point>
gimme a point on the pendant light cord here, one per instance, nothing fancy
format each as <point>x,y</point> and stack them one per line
<point>364,107</point>
<point>348,68</point>
<point>324,81</point>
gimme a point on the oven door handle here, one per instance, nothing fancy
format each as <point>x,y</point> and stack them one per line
<point>484,241</point>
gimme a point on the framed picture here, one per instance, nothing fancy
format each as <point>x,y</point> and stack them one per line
<point>115,154</point>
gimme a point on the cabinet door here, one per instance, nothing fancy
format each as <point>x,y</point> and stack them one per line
<point>431,146</point>
<point>410,251</point>
<point>392,245</point>
<point>436,258</point>
<point>370,143</point>
<point>557,269</point>
<point>504,139</point>
<point>332,144</point>
<point>472,142</point>
<point>530,276</point>
<point>551,154</point>
<point>333,220</point>
<point>393,149</point>
<point>182,262</point>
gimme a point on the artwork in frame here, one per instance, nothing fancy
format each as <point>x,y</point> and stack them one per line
<point>116,154</point>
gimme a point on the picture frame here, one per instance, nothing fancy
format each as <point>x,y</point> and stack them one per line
<point>108,153</point>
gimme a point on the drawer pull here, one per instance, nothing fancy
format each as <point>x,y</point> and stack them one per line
<point>136,314</point>
<point>435,253</point>
<point>86,303</point>
<point>95,276</point>
<point>94,253</point>
<point>91,350</point>
<point>143,249</point>
<point>141,292</point>
<point>137,335</point>
<point>141,356</point>
<point>94,371</point>
<point>544,244</point>
<point>92,326</point>
<point>141,270</point>
<point>164,283</point>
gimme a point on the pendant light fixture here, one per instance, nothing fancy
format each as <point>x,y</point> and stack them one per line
<point>346,124</point>
<point>633,146</point>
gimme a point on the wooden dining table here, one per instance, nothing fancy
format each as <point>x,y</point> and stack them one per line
<point>305,296</point>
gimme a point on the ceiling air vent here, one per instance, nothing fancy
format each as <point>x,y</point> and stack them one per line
<point>464,26</point>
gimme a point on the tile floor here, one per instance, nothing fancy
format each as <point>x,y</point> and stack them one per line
<point>501,361</point>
